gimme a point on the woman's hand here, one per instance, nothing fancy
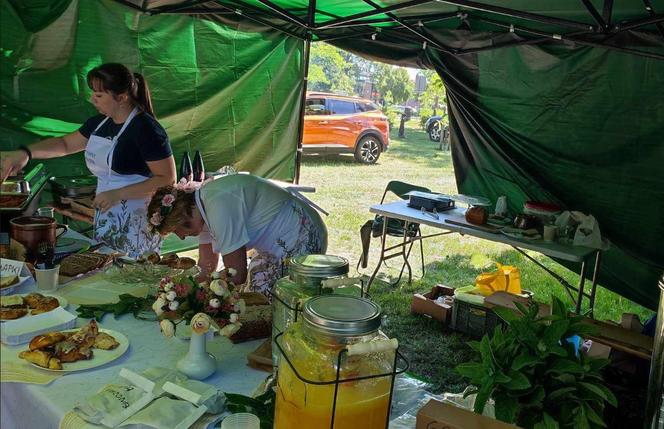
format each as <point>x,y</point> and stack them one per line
<point>11,163</point>
<point>106,200</point>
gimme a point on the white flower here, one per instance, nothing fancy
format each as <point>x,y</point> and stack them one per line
<point>232,272</point>
<point>219,287</point>
<point>158,305</point>
<point>169,286</point>
<point>167,328</point>
<point>173,305</point>
<point>216,275</point>
<point>215,303</point>
<point>240,306</point>
<point>171,295</point>
<point>233,318</point>
<point>230,329</point>
<point>200,323</point>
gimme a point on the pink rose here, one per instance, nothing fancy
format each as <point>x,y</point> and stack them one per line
<point>182,290</point>
<point>167,201</point>
<point>156,219</point>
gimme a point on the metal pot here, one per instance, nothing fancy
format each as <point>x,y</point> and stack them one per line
<point>72,187</point>
<point>33,230</point>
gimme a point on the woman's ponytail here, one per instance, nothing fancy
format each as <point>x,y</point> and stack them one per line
<point>142,94</point>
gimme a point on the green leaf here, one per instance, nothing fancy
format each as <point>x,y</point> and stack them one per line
<point>580,420</point>
<point>518,381</point>
<point>485,351</point>
<point>469,369</point>
<point>482,397</point>
<point>565,366</point>
<point>525,360</point>
<point>506,407</point>
<point>549,422</point>
<point>600,391</point>
<point>593,416</point>
<point>521,308</point>
<point>555,331</point>
<point>597,364</point>
<point>506,314</point>
<point>560,393</point>
<point>558,308</point>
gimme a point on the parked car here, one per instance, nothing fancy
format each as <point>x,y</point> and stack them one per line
<point>432,125</point>
<point>336,124</point>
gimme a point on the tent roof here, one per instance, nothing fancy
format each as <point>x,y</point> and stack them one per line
<point>420,23</point>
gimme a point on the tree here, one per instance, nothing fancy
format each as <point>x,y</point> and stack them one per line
<point>432,100</point>
<point>328,70</point>
<point>393,80</point>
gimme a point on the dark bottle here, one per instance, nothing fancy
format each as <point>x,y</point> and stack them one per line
<point>198,168</point>
<point>186,170</point>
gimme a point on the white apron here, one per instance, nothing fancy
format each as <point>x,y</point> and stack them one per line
<point>124,227</point>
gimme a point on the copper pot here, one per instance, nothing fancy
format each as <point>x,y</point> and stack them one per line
<point>30,231</point>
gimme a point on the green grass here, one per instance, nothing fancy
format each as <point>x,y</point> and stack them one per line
<point>347,189</point>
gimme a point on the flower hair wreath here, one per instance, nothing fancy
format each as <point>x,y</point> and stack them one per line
<point>167,201</point>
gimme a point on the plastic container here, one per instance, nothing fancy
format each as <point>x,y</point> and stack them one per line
<point>337,369</point>
<point>309,276</point>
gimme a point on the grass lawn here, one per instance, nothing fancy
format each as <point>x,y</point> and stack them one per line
<point>347,189</point>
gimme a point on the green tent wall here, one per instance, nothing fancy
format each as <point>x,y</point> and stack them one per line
<point>560,101</point>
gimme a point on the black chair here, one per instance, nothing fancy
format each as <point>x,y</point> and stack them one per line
<point>395,228</point>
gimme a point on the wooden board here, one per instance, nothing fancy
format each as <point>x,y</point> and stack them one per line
<point>261,358</point>
<point>622,339</point>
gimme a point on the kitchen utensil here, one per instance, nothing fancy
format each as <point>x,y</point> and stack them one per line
<point>45,255</point>
<point>241,421</point>
<point>72,187</point>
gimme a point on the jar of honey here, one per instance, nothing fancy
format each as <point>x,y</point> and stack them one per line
<point>337,367</point>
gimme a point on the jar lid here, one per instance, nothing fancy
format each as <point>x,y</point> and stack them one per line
<point>319,265</point>
<point>342,315</point>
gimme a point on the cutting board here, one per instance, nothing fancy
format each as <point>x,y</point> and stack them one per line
<point>261,358</point>
<point>486,227</point>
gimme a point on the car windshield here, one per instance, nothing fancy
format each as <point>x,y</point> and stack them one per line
<point>315,106</point>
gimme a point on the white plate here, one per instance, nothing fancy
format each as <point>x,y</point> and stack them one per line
<point>19,331</point>
<point>63,303</point>
<point>99,357</point>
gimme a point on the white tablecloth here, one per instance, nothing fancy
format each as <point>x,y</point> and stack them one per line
<point>29,406</point>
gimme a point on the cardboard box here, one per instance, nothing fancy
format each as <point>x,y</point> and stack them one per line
<point>426,303</point>
<point>438,415</point>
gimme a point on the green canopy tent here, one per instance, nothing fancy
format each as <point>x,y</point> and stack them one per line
<point>561,101</point>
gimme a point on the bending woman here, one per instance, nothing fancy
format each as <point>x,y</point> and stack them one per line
<point>238,213</point>
<point>125,147</point>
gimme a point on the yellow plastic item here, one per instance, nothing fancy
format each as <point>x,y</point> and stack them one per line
<point>506,278</point>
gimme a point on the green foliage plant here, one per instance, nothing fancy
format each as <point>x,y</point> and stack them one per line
<point>533,373</point>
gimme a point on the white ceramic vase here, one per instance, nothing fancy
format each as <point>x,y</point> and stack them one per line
<point>197,363</point>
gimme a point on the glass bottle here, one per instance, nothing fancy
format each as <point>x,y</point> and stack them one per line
<point>186,170</point>
<point>198,169</point>
<point>329,324</point>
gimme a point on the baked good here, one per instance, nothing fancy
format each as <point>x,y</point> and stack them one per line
<point>47,303</point>
<point>7,313</point>
<point>81,263</point>
<point>46,340</point>
<point>105,342</point>
<point>69,351</point>
<point>169,259</point>
<point>32,299</point>
<point>183,263</point>
<point>12,301</point>
<point>41,358</point>
<point>6,281</point>
<point>477,215</point>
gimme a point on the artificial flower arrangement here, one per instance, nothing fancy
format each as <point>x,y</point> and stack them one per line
<point>214,304</point>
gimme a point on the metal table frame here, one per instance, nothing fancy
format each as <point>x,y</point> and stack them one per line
<point>567,252</point>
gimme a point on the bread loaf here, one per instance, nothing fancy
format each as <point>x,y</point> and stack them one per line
<point>477,215</point>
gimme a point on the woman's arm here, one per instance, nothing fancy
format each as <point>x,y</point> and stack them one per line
<point>238,261</point>
<point>208,259</point>
<point>14,161</point>
<point>163,174</point>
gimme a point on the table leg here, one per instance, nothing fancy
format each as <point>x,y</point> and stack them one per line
<point>593,289</point>
<point>405,255</point>
<point>383,240</point>
<point>582,281</point>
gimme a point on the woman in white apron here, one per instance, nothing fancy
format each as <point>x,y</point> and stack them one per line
<point>125,147</point>
<point>238,213</point>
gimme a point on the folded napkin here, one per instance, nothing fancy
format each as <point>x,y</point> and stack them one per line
<point>71,420</point>
<point>16,370</point>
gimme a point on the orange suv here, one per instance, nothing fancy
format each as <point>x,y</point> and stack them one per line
<point>340,124</point>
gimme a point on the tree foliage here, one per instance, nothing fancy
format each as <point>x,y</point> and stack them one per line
<point>432,100</point>
<point>329,71</point>
<point>393,83</point>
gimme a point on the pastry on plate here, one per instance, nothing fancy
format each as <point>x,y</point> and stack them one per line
<point>6,281</point>
<point>8,313</point>
<point>46,340</point>
<point>12,301</point>
<point>183,263</point>
<point>169,259</point>
<point>41,358</point>
<point>68,351</point>
<point>32,299</point>
<point>45,304</point>
<point>105,342</point>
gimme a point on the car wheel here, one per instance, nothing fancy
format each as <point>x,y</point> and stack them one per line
<point>368,150</point>
<point>434,132</point>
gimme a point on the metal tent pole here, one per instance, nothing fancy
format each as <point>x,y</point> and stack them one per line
<point>655,388</point>
<point>311,18</point>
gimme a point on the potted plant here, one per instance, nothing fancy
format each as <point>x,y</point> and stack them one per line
<point>535,375</point>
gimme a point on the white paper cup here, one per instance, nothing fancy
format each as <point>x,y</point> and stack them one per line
<point>549,232</point>
<point>47,279</point>
<point>241,421</point>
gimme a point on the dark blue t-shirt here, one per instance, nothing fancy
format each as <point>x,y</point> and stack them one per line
<point>143,140</point>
